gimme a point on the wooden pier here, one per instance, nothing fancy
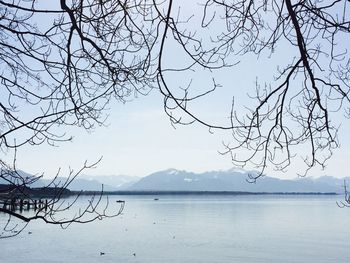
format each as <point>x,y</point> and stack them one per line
<point>24,204</point>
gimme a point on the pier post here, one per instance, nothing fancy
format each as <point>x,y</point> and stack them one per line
<point>13,204</point>
<point>21,205</point>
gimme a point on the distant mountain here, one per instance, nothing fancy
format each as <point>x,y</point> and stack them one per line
<point>176,180</point>
<point>117,182</point>
<point>94,183</point>
<point>232,180</point>
<point>84,182</point>
<point>15,177</point>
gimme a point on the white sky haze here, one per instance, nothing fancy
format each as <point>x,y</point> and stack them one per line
<point>139,139</point>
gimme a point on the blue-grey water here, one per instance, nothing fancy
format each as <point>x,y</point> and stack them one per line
<point>196,229</point>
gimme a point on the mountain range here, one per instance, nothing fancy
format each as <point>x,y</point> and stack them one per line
<point>177,180</point>
<point>234,180</point>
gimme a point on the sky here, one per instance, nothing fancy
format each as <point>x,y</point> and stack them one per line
<point>139,139</point>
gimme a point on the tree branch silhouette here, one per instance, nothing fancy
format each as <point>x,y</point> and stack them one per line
<point>63,63</point>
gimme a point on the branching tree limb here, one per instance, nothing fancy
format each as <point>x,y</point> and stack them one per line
<point>309,89</point>
<point>62,63</point>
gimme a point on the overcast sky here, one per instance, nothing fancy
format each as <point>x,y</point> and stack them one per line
<point>139,138</point>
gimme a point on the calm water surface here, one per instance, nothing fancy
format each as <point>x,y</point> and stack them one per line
<point>196,229</point>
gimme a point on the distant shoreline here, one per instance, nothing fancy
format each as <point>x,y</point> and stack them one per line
<point>197,193</point>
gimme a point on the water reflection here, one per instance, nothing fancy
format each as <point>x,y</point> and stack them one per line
<point>196,229</point>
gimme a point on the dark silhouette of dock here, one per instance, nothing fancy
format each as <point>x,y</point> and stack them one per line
<point>21,204</point>
<point>25,198</point>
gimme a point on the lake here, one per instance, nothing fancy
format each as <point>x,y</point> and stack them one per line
<point>196,228</point>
